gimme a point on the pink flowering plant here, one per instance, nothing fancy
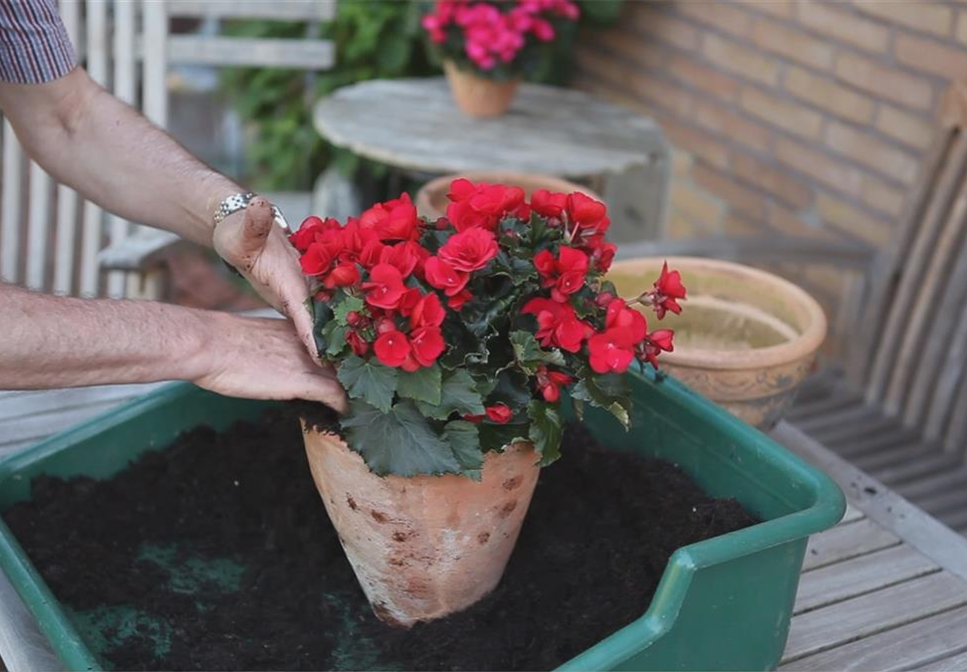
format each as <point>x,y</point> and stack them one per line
<point>500,40</point>
<point>457,337</point>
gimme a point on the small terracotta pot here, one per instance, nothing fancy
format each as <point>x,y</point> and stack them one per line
<point>477,96</point>
<point>428,546</point>
<point>745,339</point>
<point>431,200</point>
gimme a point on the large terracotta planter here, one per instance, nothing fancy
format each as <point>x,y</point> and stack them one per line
<point>746,338</point>
<point>427,546</point>
<point>477,96</point>
<point>431,200</point>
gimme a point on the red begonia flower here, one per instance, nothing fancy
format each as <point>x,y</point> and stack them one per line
<point>499,413</point>
<point>469,250</point>
<point>557,324</point>
<point>392,348</point>
<point>443,276</point>
<point>385,287</point>
<point>668,289</point>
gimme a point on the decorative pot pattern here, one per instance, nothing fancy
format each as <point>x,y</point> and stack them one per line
<point>746,338</point>
<point>477,96</point>
<point>428,546</point>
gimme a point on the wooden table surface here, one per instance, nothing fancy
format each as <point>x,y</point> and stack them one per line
<point>886,589</point>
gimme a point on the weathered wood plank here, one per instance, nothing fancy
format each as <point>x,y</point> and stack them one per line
<point>836,419</point>
<point>11,208</point>
<point>37,427</point>
<point>945,397</point>
<point>846,436</point>
<point>277,10</point>
<point>895,460</point>
<point>847,541</point>
<point>954,663</point>
<point>920,530</point>
<point>896,649</point>
<point>19,405</point>
<point>260,52</point>
<point>929,485</point>
<point>852,513</point>
<point>851,578</point>
<point>868,614</point>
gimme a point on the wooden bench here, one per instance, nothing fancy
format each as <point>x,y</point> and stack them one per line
<point>897,407</point>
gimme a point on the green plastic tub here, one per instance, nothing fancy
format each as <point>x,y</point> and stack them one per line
<point>722,604</point>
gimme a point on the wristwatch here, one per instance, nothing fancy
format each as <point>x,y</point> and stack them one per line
<point>239,201</point>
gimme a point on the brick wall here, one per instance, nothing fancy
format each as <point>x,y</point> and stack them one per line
<point>793,116</point>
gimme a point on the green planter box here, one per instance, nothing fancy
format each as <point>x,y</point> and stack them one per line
<point>724,603</point>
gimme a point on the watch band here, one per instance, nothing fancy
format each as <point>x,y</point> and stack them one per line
<point>239,201</point>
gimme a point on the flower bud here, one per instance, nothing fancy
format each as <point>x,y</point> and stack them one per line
<point>352,318</point>
<point>604,298</point>
<point>385,325</point>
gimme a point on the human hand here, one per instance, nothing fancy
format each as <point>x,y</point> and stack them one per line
<point>262,358</point>
<point>250,241</point>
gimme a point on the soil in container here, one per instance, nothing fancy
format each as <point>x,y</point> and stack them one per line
<point>216,553</point>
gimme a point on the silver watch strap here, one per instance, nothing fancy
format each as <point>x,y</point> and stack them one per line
<point>239,201</point>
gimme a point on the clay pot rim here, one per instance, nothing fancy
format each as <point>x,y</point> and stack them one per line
<point>560,184</point>
<point>801,347</point>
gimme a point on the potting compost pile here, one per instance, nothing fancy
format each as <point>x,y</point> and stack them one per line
<point>216,553</point>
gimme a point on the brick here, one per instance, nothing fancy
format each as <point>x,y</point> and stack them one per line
<point>911,130</point>
<point>843,26</point>
<point>962,27</point>
<point>884,82</point>
<point>695,74</point>
<point>872,152</point>
<point>771,178</point>
<point>663,26</point>
<point>821,167</point>
<point>722,121</point>
<point>693,141</point>
<point>737,225</point>
<point>780,8</point>
<point>680,226</point>
<point>735,58</point>
<point>783,113</point>
<point>736,195</point>
<point>885,198</point>
<point>681,164</point>
<point>792,44</point>
<point>661,93</point>
<point>928,17</point>
<point>638,49</point>
<point>697,205</point>
<point>827,94</point>
<point>599,65</point>
<point>717,14</point>
<point>930,56</point>
<point>802,223</point>
<point>848,219</point>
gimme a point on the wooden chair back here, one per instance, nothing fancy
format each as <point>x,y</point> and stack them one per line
<point>909,354</point>
<point>50,238</point>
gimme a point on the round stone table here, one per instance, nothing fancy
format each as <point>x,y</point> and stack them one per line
<point>414,125</point>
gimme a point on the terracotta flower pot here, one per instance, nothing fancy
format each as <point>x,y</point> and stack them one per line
<point>478,96</point>
<point>431,200</point>
<point>427,546</point>
<point>746,338</point>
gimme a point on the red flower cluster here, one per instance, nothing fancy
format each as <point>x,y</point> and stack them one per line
<point>495,32</point>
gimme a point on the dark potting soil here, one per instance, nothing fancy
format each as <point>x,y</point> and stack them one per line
<point>599,533</point>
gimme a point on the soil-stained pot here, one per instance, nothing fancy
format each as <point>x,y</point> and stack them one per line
<point>477,96</point>
<point>426,546</point>
<point>431,200</point>
<point>747,338</point>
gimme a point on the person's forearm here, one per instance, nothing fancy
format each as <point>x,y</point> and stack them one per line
<point>110,153</point>
<point>50,341</point>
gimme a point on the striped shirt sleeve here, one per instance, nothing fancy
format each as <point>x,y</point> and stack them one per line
<point>34,46</point>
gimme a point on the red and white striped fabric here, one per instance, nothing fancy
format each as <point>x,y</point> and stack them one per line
<point>34,46</point>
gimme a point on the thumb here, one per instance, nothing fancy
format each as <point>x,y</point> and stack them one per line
<point>316,386</point>
<point>256,226</point>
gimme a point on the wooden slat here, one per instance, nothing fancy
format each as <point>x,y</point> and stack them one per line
<point>884,272</point>
<point>946,501</point>
<point>19,405</point>
<point>38,227</point>
<point>845,541</point>
<point>880,441</point>
<point>950,187</point>
<point>851,578</point>
<point>66,231</point>
<point>943,357</point>
<point>928,485</point>
<point>837,399</point>
<point>124,88</point>
<point>916,528</point>
<point>915,467</point>
<point>945,396</point>
<point>954,663</point>
<point>956,433</point>
<point>11,209</point>
<point>838,624</point>
<point>281,10</point>
<point>97,59</point>
<point>844,435</point>
<point>155,52</point>
<point>896,649</point>
<point>852,513</point>
<point>835,419</point>
<point>924,321</point>
<point>260,52</point>
<point>37,427</point>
